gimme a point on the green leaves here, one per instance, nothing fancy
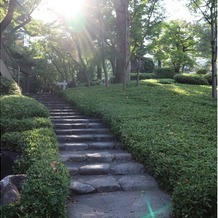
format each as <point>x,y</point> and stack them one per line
<point>171,128</point>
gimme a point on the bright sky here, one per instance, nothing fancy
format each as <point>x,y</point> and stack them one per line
<point>176,9</point>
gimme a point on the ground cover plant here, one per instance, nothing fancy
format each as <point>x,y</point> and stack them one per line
<point>26,127</point>
<point>171,128</point>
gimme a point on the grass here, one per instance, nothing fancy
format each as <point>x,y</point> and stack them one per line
<point>171,128</point>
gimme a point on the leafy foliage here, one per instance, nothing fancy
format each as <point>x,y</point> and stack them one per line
<point>142,76</point>
<point>171,129</point>
<point>10,125</point>
<point>19,107</point>
<point>201,71</point>
<point>190,79</point>
<point>164,73</point>
<point>45,191</point>
<point>9,87</point>
<point>209,78</point>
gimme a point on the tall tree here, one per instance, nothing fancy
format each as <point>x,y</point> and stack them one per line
<point>122,41</point>
<point>208,9</point>
<point>20,14</point>
<point>176,44</point>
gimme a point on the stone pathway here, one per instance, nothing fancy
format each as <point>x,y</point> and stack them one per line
<point>105,181</point>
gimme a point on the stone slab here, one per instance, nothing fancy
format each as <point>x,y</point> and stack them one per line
<point>138,183</point>
<point>121,205</point>
<point>81,188</point>
<point>127,168</point>
<point>94,169</point>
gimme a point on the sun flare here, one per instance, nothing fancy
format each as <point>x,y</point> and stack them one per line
<point>67,8</point>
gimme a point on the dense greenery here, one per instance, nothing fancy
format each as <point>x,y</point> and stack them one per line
<point>142,76</point>
<point>19,107</point>
<point>191,79</point>
<point>27,128</point>
<point>164,72</point>
<point>8,87</point>
<point>171,128</point>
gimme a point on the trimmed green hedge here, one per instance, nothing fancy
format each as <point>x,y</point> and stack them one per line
<point>171,129</point>
<point>133,76</point>
<point>20,107</point>
<point>8,87</point>
<point>10,125</point>
<point>164,73</point>
<point>201,71</point>
<point>190,79</point>
<point>46,188</point>
<point>209,78</point>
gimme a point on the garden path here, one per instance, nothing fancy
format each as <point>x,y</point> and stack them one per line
<point>105,181</point>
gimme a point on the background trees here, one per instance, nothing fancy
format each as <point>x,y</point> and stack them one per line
<point>108,35</point>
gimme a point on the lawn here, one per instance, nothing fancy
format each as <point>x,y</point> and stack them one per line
<point>171,129</point>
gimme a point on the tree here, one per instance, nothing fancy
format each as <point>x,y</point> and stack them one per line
<point>146,15</point>
<point>122,41</point>
<point>176,44</point>
<point>208,9</point>
<point>20,14</point>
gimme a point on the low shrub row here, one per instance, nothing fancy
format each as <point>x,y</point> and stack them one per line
<point>191,79</point>
<point>142,76</point>
<point>28,129</point>
<point>171,129</point>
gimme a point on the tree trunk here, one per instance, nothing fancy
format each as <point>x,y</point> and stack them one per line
<point>102,33</point>
<point>159,64</point>
<point>122,29</point>
<point>214,51</point>
<point>99,72</point>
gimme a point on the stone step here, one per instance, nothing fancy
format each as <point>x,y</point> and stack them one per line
<point>81,131</point>
<point>63,110</point>
<point>93,156</point>
<point>50,106</point>
<point>128,168</point>
<point>89,146</point>
<point>86,137</point>
<point>77,125</point>
<point>65,113</point>
<point>78,120</point>
<point>68,116</point>
<point>109,183</point>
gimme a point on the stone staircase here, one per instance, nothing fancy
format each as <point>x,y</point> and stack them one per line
<point>102,172</point>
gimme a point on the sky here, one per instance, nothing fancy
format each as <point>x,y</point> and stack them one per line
<point>175,9</point>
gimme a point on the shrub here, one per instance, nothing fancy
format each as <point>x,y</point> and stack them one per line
<point>164,73</point>
<point>19,107</point>
<point>11,125</point>
<point>142,76</point>
<point>190,79</point>
<point>9,87</point>
<point>45,191</point>
<point>201,71</point>
<point>209,78</point>
<point>171,129</point>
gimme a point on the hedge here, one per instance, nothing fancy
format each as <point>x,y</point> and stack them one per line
<point>190,79</point>
<point>10,125</point>
<point>8,87</point>
<point>164,73</point>
<point>142,76</point>
<point>171,129</point>
<point>46,188</point>
<point>209,78</point>
<point>20,107</point>
<point>201,71</point>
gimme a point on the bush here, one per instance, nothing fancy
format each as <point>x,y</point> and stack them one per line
<point>171,129</point>
<point>9,87</point>
<point>142,76</point>
<point>45,191</point>
<point>164,73</point>
<point>190,79</point>
<point>19,107</point>
<point>11,125</point>
<point>209,78</point>
<point>201,71</point>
